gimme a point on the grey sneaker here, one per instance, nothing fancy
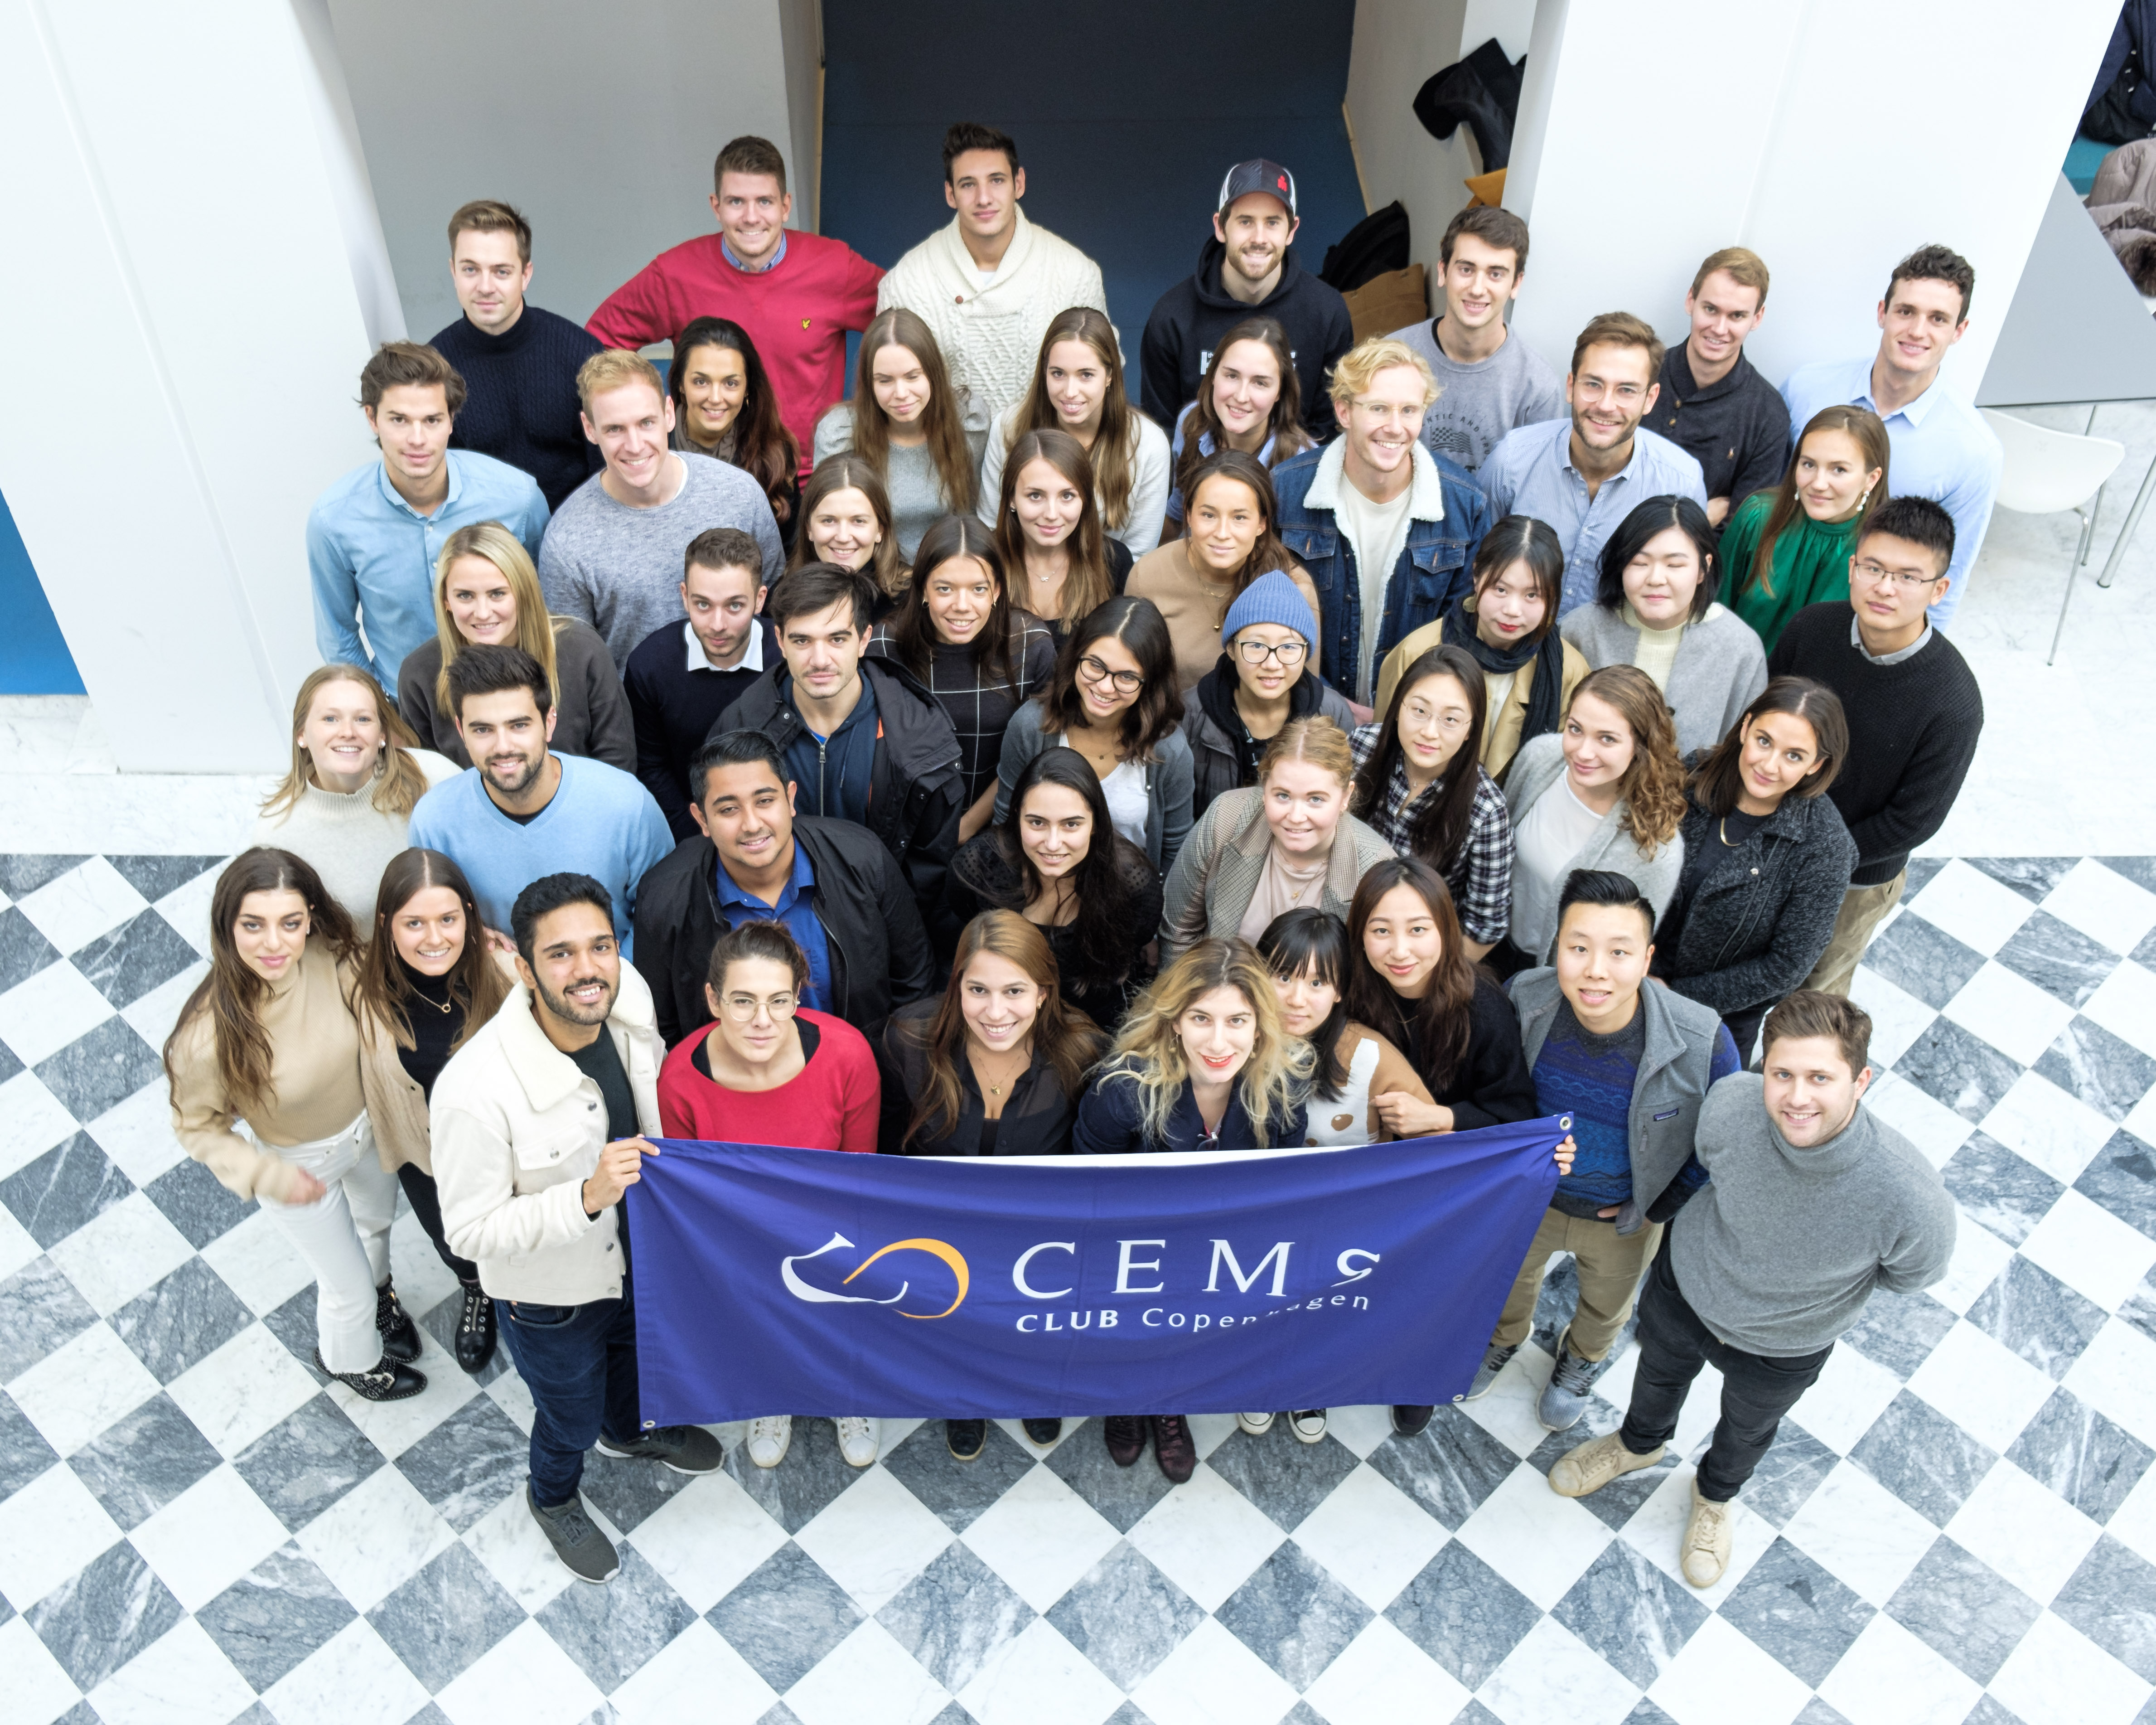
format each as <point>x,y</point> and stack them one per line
<point>1569,1387</point>
<point>685,1449</point>
<point>1485,1374</point>
<point>587,1553</point>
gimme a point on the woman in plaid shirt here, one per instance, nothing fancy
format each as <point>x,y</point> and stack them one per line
<point>1419,785</point>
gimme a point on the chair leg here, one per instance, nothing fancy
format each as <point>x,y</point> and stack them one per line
<point>2126,530</point>
<point>2088,526</point>
<point>2073,570</point>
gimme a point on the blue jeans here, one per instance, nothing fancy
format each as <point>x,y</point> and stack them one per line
<point>579,1362</point>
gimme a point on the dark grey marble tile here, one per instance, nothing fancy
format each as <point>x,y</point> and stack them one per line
<point>194,1203</point>
<point>625,1491</point>
<point>24,1455</point>
<point>1293,1615</point>
<point>469,1462</point>
<point>2008,1193</point>
<point>1617,1502</point>
<point>1125,1616</point>
<point>611,1631</point>
<point>259,1715</point>
<point>1630,1612</point>
<point>2139,870</point>
<point>1303,1713</point>
<point>1922,959</point>
<point>954,1616</point>
<point>1818,1712</point>
<point>293,1324</point>
<point>71,1183</point>
<point>181,1321</point>
<point>143,1460</point>
<point>1127,1714</point>
<point>275,1615</point>
<point>953,1714</point>
<point>2122,1178</point>
<point>1922,1457</point>
<point>307,1462</point>
<point>2144,955</point>
<point>2138,1308</point>
<point>1796,1610</point>
<point>806,1483</point>
<point>2109,1074</point>
<point>101,1069</point>
<point>40,1310</point>
<point>1958,1068</point>
<point>1463,1613</point>
<point>785,1616</point>
<point>1448,1467</point>
<point>443,1618</point>
<point>1964,1608</point>
<point>1921,869</point>
<point>23,872</point>
<point>439,1321</point>
<point>2088,1459</point>
<point>82,1713</point>
<point>23,951</point>
<point>2062,960</point>
<point>2038,1316</point>
<point>1647,1713</point>
<point>2111,1599</point>
<point>1121,1494</point>
<point>779,1714</point>
<point>1788,1475</point>
<point>1282,1475</point>
<point>1990,1711</point>
<point>9,1065</point>
<point>154,877</point>
<point>958,1493</point>
<point>143,954</point>
<point>2033,877</point>
<point>98,1619</point>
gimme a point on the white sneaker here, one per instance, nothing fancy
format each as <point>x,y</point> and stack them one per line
<point>1308,1424</point>
<point>857,1440</point>
<point>768,1439</point>
<point>1257,1425</point>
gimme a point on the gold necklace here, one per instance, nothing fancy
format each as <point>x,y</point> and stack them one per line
<point>1025,1059</point>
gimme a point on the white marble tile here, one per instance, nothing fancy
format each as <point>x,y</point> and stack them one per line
<point>705,1541</point>
<point>395,1426</point>
<point>2103,905</point>
<point>1970,905</point>
<point>1984,1388</point>
<point>1721,1676</point>
<point>1889,1677</point>
<point>1861,1532</point>
<point>868,1663</point>
<point>1657,1532</point>
<point>2090,1249</point>
<point>1370,1536</point>
<point>41,1016</point>
<point>1553,1675</point>
<point>1539,1542</point>
<point>183,1678</point>
<point>1038,1678</point>
<point>2060,1133</point>
<point>144,814</point>
<point>696,1676</point>
<point>2058,1676</point>
<point>352,1679</point>
<point>90,900</point>
<point>137,1134</point>
<point>2009,1012</point>
<point>187,907</point>
<point>1507,1411</point>
<point>77,1390</point>
<point>2117,1376</point>
<point>1927,1122</point>
<point>38,731</point>
<point>38,1689</point>
<point>508,1541</point>
<point>1382,1678</point>
<point>375,1538</point>
<point>1897,1016</point>
<point>259,1262</point>
<point>1361,1429</point>
<point>121,1251</point>
<point>1211,1677</point>
<point>209,1537</point>
<point>154,1014</point>
<point>1853,1390</point>
<point>1040,1537</point>
<point>511,1394</point>
<point>873,1539</point>
<point>2025,1531</point>
<point>1979,1256</point>
<point>16,1247</point>
<point>48,1530</point>
<point>242,1390</point>
<point>525,1676</point>
<point>2125,1004</point>
<point>32,1121</point>
<point>1206,1538</point>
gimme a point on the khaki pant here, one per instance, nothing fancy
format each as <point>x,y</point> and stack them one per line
<point>1609,1268</point>
<point>1863,908</point>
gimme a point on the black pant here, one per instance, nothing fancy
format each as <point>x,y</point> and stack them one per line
<point>426,1202</point>
<point>1756,1389</point>
<point>1743,1028</point>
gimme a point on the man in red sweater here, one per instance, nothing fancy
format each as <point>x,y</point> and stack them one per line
<point>796,294</point>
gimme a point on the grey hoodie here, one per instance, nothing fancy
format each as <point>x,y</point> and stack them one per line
<point>1779,1253</point>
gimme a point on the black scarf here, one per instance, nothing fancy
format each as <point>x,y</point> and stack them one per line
<point>1216,695</point>
<point>1543,688</point>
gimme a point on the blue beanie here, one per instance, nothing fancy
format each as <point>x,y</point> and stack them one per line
<point>1272,597</point>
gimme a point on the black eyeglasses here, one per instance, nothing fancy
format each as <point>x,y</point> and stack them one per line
<point>1289,653</point>
<point>1095,670</point>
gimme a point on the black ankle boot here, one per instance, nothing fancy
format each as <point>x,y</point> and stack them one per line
<point>400,1336</point>
<point>476,1330</point>
<point>390,1380</point>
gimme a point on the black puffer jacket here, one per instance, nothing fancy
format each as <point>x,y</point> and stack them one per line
<point>1223,753</point>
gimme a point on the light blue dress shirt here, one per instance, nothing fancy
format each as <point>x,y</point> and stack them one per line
<point>1939,448</point>
<point>370,553</point>
<point>1530,472</point>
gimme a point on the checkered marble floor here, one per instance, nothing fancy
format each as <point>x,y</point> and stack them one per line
<point>1957,1523</point>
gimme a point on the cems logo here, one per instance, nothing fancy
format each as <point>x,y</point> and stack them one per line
<point>802,1289</point>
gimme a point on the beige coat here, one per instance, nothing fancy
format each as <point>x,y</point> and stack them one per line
<point>1500,731</point>
<point>516,1130</point>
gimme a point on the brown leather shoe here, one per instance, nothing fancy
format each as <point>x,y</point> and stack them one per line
<point>1172,1446</point>
<point>1126,1434</point>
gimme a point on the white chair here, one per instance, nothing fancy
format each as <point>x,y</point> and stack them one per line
<point>2047,471</point>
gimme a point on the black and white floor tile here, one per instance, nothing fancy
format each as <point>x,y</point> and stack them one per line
<point>1957,1523</point>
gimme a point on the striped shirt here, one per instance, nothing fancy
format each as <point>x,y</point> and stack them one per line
<point>1481,872</point>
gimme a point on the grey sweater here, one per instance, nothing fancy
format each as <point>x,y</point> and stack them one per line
<point>918,502</point>
<point>1719,671</point>
<point>1535,772</point>
<point>1779,1253</point>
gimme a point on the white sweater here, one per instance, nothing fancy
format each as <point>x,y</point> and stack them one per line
<point>990,335</point>
<point>1152,475</point>
<point>347,840</point>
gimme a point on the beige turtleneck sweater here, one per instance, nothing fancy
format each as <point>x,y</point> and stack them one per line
<point>348,841</point>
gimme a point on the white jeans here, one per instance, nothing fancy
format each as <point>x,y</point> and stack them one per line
<point>344,1236</point>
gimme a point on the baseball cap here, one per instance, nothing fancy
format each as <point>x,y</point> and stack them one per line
<point>1260,175</point>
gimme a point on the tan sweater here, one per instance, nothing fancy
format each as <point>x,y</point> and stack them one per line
<point>1195,605</point>
<point>315,1086</point>
<point>347,840</point>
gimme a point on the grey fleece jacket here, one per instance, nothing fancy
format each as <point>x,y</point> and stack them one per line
<point>1779,1253</point>
<point>1719,670</point>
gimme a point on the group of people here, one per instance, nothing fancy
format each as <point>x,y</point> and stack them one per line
<point>1364,739</point>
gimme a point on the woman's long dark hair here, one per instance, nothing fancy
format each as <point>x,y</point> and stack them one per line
<point>913,632</point>
<point>1655,515</point>
<point>763,448</point>
<point>942,421</point>
<point>1307,941</point>
<point>1267,553</point>
<point>1137,623</point>
<point>476,984</point>
<point>1438,1024</point>
<point>846,471</point>
<point>1087,583</point>
<point>1524,539</point>
<point>1715,782</point>
<point>1441,824</point>
<point>1100,936</point>
<point>1284,425</point>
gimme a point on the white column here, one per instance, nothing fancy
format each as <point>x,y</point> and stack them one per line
<point>181,279</point>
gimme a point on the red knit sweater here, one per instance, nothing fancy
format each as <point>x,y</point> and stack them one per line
<point>797,312</point>
<point>830,1104</point>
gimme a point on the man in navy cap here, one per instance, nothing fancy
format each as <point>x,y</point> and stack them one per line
<point>1247,269</point>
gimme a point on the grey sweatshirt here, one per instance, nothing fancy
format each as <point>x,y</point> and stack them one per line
<point>1779,1253</point>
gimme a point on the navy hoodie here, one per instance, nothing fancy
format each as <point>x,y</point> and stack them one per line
<point>1197,311</point>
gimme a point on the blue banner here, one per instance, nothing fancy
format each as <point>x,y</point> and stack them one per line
<point>811,1282</point>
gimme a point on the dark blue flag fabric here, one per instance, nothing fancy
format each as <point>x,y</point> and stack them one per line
<point>811,1282</point>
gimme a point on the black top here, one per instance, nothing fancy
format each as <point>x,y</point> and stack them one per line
<point>600,1061</point>
<point>1111,1121</point>
<point>812,1039</point>
<point>1490,1085</point>
<point>521,406</point>
<point>1912,732</point>
<point>672,709</point>
<point>436,1019</point>
<point>1036,1118</point>
<point>1189,319</point>
<point>1737,429</point>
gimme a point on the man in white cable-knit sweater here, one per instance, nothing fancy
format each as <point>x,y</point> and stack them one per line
<point>988,284</point>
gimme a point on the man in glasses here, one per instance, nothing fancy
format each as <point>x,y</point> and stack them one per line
<point>1266,677</point>
<point>839,891</point>
<point>1913,707</point>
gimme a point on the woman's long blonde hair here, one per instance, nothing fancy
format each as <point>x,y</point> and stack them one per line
<point>1115,445</point>
<point>1148,1052</point>
<point>1653,786</point>
<point>398,782</point>
<point>535,628</point>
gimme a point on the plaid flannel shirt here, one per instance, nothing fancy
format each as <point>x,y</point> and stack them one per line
<point>1480,875</point>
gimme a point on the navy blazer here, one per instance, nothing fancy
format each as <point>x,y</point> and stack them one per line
<point>1110,1123</point>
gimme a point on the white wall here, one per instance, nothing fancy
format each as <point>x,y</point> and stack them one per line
<point>175,249</point>
<point>600,124</point>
